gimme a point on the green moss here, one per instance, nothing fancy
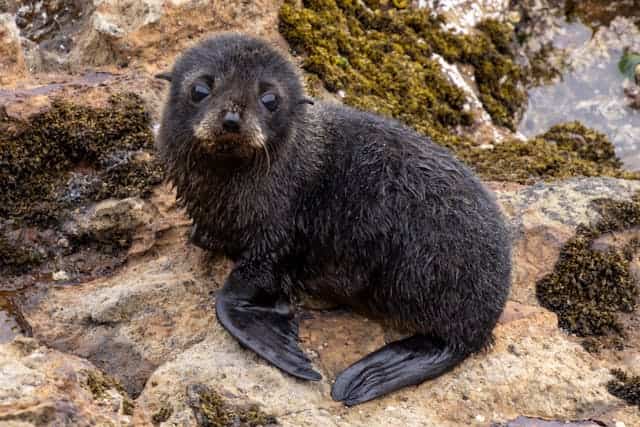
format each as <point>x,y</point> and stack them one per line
<point>625,387</point>
<point>588,287</point>
<point>128,406</point>
<point>37,158</point>
<point>586,143</point>
<point>98,384</point>
<point>162,414</point>
<point>541,71</point>
<point>211,410</point>
<point>382,59</point>
<point>67,156</point>
<point>501,35</point>
<point>564,151</point>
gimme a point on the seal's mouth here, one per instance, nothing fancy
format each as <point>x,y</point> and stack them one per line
<point>228,146</point>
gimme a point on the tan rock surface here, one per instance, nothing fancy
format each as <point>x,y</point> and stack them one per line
<point>545,216</point>
<point>12,64</point>
<point>42,387</point>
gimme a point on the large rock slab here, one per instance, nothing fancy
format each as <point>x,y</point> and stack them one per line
<point>151,325</point>
<point>531,369</point>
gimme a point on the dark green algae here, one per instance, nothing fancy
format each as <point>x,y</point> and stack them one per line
<point>65,157</point>
<point>212,410</point>
<point>625,387</point>
<point>380,55</point>
<point>589,287</point>
<point>37,158</point>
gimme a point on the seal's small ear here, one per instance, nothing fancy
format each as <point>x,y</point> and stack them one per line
<point>306,100</point>
<point>164,76</point>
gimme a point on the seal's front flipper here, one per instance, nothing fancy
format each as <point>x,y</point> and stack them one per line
<point>401,363</point>
<point>266,326</point>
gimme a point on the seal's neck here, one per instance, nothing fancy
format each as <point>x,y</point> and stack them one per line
<point>233,204</point>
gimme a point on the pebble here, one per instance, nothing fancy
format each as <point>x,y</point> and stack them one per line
<point>60,276</point>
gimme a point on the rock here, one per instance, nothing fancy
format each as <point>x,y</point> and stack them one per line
<point>60,276</point>
<point>537,422</point>
<point>40,386</point>
<point>131,326</point>
<point>12,62</point>
<point>544,216</point>
<point>71,35</point>
<point>463,15</point>
<point>112,220</point>
<point>513,377</point>
<point>633,93</point>
<point>148,320</point>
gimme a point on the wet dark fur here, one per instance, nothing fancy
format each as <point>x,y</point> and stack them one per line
<point>353,206</point>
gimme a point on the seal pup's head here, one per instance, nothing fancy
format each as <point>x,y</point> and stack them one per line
<point>232,101</point>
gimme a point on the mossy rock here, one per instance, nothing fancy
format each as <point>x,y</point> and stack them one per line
<point>212,410</point>
<point>625,387</point>
<point>163,414</point>
<point>66,157</point>
<point>566,150</point>
<point>381,57</point>
<point>38,157</point>
<point>589,287</point>
<point>17,257</point>
<point>99,384</point>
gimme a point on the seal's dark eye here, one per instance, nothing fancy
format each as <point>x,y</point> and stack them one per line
<point>199,91</point>
<point>270,101</point>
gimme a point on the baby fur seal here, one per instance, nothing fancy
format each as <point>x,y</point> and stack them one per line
<point>338,203</point>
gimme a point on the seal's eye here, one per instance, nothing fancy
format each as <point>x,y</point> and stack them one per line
<point>270,101</point>
<point>199,91</point>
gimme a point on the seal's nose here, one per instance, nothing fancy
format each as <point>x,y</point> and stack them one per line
<point>231,122</point>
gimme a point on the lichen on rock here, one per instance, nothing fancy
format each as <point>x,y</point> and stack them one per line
<point>566,150</point>
<point>625,386</point>
<point>38,157</point>
<point>211,410</point>
<point>588,286</point>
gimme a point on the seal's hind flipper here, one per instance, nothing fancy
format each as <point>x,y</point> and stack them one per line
<point>267,327</point>
<point>401,363</point>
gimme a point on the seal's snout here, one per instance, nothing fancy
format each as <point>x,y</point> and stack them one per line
<point>231,122</point>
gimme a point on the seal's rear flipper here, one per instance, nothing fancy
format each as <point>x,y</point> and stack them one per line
<point>401,363</point>
<point>267,327</point>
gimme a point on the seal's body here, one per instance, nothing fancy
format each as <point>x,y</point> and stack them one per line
<point>335,202</point>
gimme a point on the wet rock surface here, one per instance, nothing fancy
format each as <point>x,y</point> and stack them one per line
<point>119,304</point>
